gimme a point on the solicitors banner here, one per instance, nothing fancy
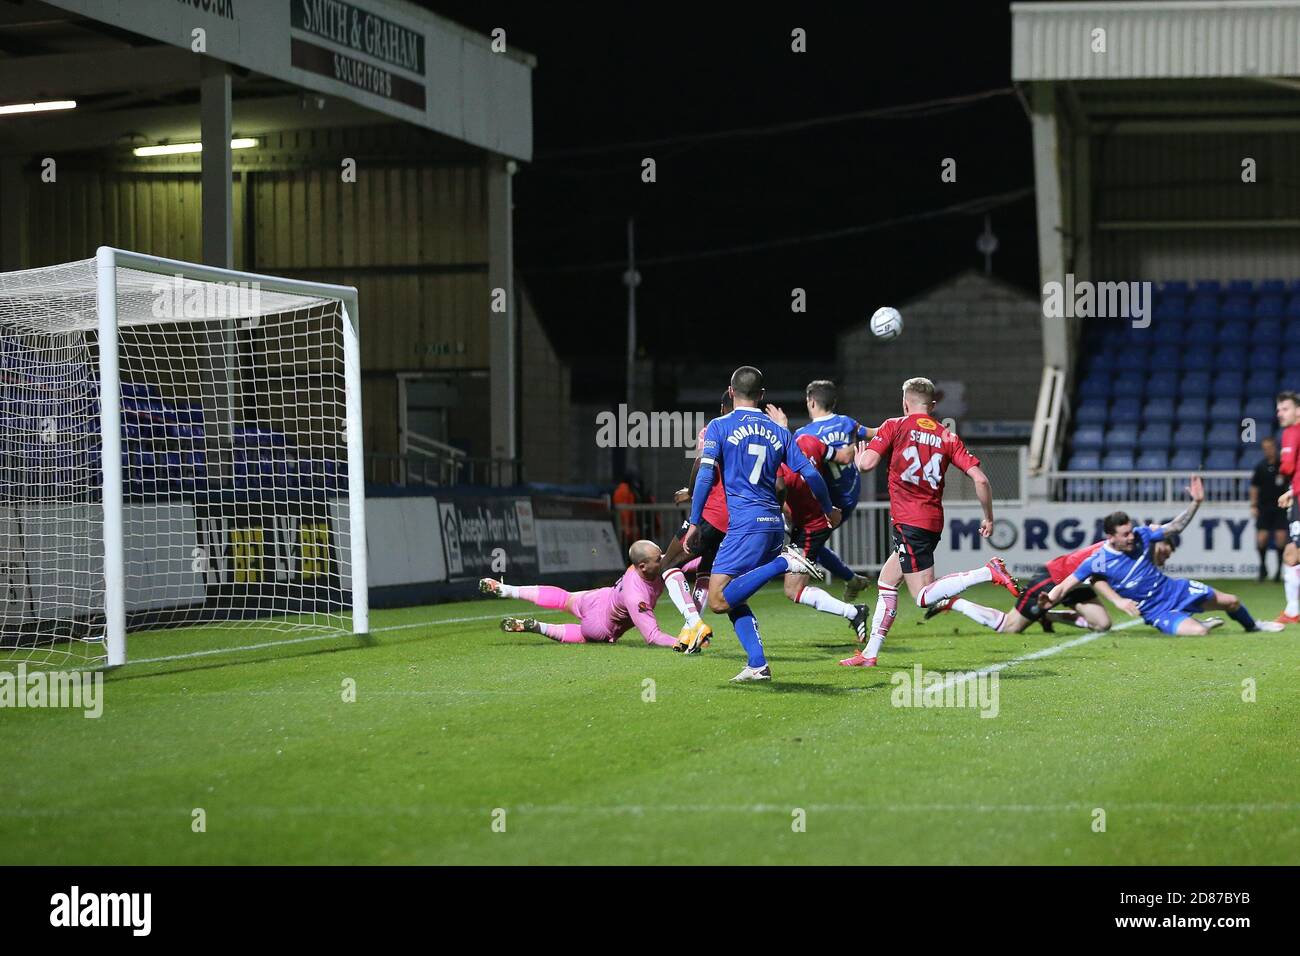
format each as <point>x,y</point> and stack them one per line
<point>1218,543</point>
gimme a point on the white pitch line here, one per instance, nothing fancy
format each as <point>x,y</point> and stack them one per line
<point>960,678</point>
<point>328,636</point>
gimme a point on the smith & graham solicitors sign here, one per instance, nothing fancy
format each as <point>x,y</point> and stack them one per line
<point>382,48</point>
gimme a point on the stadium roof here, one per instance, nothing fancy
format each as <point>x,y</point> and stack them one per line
<point>1181,39</point>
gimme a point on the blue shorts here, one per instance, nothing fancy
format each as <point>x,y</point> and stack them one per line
<point>745,551</point>
<point>1173,605</point>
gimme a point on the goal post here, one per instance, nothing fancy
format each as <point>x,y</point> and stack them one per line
<point>180,448</point>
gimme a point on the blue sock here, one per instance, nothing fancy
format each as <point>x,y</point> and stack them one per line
<point>831,561</point>
<point>1242,617</point>
<point>740,589</point>
<point>742,619</point>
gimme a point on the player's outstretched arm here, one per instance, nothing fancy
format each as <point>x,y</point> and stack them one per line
<point>866,458</point>
<point>1053,597</point>
<point>1126,605</point>
<point>984,493</point>
<point>778,415</point>
<point>1196,489</point>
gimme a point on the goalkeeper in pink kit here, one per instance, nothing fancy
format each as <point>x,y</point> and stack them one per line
<point>604,615</point>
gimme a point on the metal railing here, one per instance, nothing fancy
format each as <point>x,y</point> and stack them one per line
<point>1145,485</point>
<point>391,469</point>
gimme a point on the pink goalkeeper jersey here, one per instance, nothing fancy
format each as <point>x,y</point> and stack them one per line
<point>629,603</point>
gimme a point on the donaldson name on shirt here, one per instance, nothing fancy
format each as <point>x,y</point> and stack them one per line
<point>755,430</point>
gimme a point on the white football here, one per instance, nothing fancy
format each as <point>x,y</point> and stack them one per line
<point>887,323</point>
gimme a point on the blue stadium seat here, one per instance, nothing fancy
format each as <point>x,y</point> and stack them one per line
<point>1153,461</point>
<point>1125,411</point>
<point>1221,459</point>
<point>1128,386</point>
<point>1186,459</point>
<point>1208,285</point>
<point>1288,380</point>
<point>1166,356</point>
<point>1156,437</point>
<point>1263,410</point>
<point>1269,306</point>
<point>1194,410</point>
<point>1226,408</point>
<point>1099,363</point>
<point>1241,286</point>
<point>1163,383</point>
<point>1168,333</point>
<point>1189,435</point>
<point>1267,332</point>
<point>1236,306</point>
<point>1293,307</point>
<point>1091,413</point>
<point>1228,383</point>
<point>1250,457</point>
<point>1271,285</point>
<point>1132,360</point>
<point>1121,438</point>
<point>1194,385</point>
<point>1158,410</point>
<point>1095,386</point>
<point>1224,436</point>
<point>1170,307</point>
<point>1201,333</point>
<point>1199,358</point>
<point>1085,461</point>
<point>1174,286</point>
<point>1234,332</point>
<point>1264,356</point>
<point>1204,306</point>
<point>1117,461</point>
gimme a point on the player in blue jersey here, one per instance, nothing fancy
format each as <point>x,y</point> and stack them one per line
<point>841,435</point>
<point>1166,603</point>
<point>746,448</point>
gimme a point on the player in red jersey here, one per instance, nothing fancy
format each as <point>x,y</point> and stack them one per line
<point>809,532</point>
<point>1086,611</point>
<point>713,528</point>
<point>1288,416</point>
<point>919,451</point>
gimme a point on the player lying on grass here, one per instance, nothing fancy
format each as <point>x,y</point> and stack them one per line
<point>604,614</point>
<point>919,450</point>
<point>1165,603</point>
<point>1082,609</point>
<point>712,529</point>
<point>835,465</point>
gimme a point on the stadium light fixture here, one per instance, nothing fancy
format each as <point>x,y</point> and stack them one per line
<point>45,107</point>
<point>171,149</point>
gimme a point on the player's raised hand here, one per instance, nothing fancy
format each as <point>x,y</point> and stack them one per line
<point>681,496</point>
<point>1196,488</point>
<point>835,517</point>
<point>688,539</point>
<point>986,527</point>
<point>860,457</point>
<point>775,413</point>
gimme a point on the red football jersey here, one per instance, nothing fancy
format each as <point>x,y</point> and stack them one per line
<point>919,451</point>
<point>715,506</point>
<point>805,510</point>
<point>1289,456</point>
<point>1060,568</point>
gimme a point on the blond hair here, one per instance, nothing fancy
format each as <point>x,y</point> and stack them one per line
<point>922,388</point>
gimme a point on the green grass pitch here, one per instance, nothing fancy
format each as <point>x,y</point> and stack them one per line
<point>454,720</point>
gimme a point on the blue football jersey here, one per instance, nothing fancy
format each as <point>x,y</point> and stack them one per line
<point>747,447</point>
<point>1131,573</point>
<point>836,431</point>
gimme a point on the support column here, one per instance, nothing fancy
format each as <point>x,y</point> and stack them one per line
<point>1048,195</point>
<point>217,168</point>
<point>502,326</point>
<point>13,214</point>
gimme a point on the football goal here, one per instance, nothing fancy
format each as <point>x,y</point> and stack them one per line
<point>180,453</point>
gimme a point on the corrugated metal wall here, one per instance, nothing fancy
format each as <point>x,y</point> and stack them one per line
<point>1144,185</point>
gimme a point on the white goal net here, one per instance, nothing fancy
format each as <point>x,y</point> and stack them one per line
<point>179,451</point>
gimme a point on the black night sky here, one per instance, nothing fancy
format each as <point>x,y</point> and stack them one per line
<point>660,72</point>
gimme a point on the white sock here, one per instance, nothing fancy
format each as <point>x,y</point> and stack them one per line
<point>952,584</point>
<point>816,597</point>
<point>979,613</point>
<point>883,619</point>
<point>1291,586</point>
<point>675,587</point>
<point>509,590</point>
